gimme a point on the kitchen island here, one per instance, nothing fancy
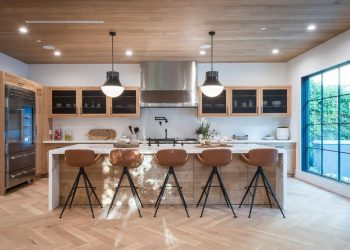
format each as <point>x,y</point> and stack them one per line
<point>149,177</point>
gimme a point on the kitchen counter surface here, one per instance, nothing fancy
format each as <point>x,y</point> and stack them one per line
<point>114,141</point>
<point>193,175</point>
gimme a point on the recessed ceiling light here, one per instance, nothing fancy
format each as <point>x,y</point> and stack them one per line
<point>50,47</point>
<point>311,27</point>
<point>64,21</point>
<point>263,28</point>
<point>129,52</point>
<point>205,46</point>
<point>57,53</point>
<point>275,51</point>
<point>202,52</point>
<point>38,41</point>
<point>23,30</point>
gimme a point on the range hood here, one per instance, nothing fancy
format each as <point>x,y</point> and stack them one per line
<point>169,84</point>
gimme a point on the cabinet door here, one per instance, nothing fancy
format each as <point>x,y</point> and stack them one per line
<point>127,104</point>
<point>93,102</point>
<point>275,101</point>
<point>63,102</point>
<point>244,101</point>
<point>214,106</point>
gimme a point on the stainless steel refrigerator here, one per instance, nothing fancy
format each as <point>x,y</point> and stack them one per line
<point>19,136</point>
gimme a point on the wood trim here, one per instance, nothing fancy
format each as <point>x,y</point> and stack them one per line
<point>2,130</point>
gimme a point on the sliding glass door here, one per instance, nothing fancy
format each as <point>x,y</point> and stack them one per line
<point>326,123</point>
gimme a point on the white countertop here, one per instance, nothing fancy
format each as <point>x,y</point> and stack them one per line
<point>114,141</point>
<point>144,149</point>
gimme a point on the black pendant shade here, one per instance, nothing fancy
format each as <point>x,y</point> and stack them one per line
<point>112,79</point>
<point>212,78</point>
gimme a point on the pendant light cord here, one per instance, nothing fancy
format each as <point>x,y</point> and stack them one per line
<point>112,54</point>
<point>211,57</point>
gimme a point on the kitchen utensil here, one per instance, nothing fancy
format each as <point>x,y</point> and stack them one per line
<point>268,137</point>
<point>136,129</point>
<point>102,134</point>
<point>58,105</point>
<point>276,103</point>
<point>240,137</point>
<point>131,130</point>
<point>68,105</point>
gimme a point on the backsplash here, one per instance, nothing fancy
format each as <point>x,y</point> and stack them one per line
<point>182,122</point>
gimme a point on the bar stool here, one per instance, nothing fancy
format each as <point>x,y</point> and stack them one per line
<point>81,158</point>
<point>261,157</point>
<point>127,159</point>
<point>171,158</point>
<point>214,158</point>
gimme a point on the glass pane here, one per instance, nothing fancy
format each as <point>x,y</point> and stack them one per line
<point>214,105</point>
<point>345,168</point>
<point>314,133</point>
<point>345,138</point>
<point>27,129</point>
<point>330,83</point>
<point>93,102</point>
<point>275,101</point>
<point>63,102</point>
<point>244,101</point>
<point>330,134</point>
<point>345,108</point>
<point>125,103</point>
<point>315,112</point>
<point>345,79</point>
<point>330,110</point>
<point>330,164</point>
<point>315,87</point>
<point>314,160</point>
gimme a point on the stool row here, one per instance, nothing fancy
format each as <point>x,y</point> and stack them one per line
<point>172,158</point>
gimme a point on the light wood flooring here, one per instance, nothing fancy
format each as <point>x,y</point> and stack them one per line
<point>316,219</point>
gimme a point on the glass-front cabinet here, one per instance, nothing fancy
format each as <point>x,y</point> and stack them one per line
<point>64,102</point>
<point>214,106</point>
<point>244,101</point>
<point>275,101</point>
<point>93,102</point>
<point>127,104</point>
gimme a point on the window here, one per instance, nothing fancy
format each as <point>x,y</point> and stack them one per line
<point>326,123</point>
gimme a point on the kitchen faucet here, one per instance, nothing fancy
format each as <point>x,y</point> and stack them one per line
<point>166,134</point>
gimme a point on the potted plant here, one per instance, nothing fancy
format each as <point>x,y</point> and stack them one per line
<point>203,130</point>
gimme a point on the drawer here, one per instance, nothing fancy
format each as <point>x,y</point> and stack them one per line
<point>13,179</point>
<point>27,174</point>
<point>14,163</point>
<point>28,161</point>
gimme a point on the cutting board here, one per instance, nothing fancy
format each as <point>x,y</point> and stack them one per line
<point>102,134</point>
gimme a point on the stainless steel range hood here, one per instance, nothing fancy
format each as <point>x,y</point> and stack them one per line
<point>169,84</point>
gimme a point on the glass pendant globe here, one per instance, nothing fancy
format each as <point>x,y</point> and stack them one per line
<point>212,90</point>
<point>112,91</point>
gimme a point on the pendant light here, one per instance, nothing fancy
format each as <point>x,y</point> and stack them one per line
<point>212,87</point>
<point>112,87</point>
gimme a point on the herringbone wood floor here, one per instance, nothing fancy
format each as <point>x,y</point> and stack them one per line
<point>316,219</point>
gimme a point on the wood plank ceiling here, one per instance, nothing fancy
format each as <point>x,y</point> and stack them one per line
<point>169,30</point>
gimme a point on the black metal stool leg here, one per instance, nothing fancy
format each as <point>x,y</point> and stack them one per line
<point>272,193</point>
<point>132,185</point>
<point>92,188</point>
<point>76,184</point>
<point>248,189</point>
<point>133,191</point>
<point>223,189</point>
<point>88,196</point>
<point>161,190</point>
<point>266,188</point>
<point>204,188</point>
<point>179,190</point>
<point>207,193</point>
<point>161,194</point>
<point>254,192</point>
<point>70,193</point>
<point>115,194</point>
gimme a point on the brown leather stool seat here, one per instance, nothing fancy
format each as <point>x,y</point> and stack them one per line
<point>215,158</point>
<point>80,158</point>
<point>260,157</point>
<point>126,158</point>
<point>170,158</point>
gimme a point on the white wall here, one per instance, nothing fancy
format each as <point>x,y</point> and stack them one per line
<point>82,74</point>
<point>333,52</point>
<point>13,66</point>
<point>243,74</point>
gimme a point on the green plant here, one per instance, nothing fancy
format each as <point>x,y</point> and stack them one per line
<point>204,128</point>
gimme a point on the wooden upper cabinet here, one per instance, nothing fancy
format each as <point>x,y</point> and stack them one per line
<point>63,102</point>
<point>276,101</point>
<point>214,106</point>
<point>93,102</point>
<point>244,101</point>
<point>127,104</point>
<point>19,81</point>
